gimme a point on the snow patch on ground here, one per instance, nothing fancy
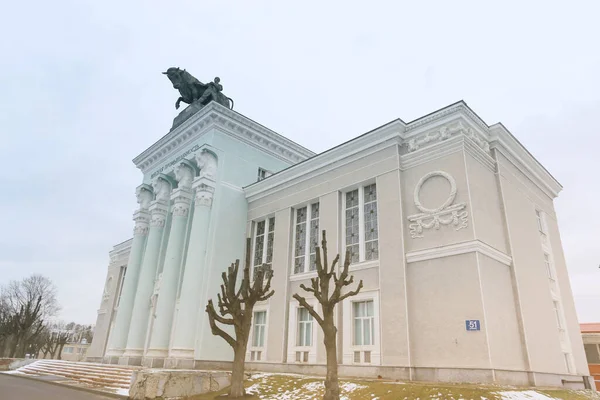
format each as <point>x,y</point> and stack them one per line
<point>524,395</point>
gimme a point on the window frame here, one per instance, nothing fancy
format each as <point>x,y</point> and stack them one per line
<point>293,329</point>
<point>371,320</point>
<point>361,223</point>
<point>305,323</point>
<point>307,222</point>
<point>262,349</point>
<point>348,346</point>
<point>549,267</point>
<point>541,223</point>
<point>269,222</point>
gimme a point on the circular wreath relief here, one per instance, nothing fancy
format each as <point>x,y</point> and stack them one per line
<point>446,203</point>
<point>446,214</point>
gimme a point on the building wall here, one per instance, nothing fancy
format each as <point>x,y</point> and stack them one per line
<point>108,304</point>
<point>436,268</point>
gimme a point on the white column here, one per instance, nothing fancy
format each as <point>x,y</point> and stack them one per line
<point>142,304</point>
<point>161,329</point>
<point>118,337</point>
<point>195,269</point>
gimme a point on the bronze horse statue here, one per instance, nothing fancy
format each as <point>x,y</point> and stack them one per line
<point>192,90</point>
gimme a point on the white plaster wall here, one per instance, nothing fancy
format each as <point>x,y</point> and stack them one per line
<point>442,294</point>
<point>506,349</point>
<point>573,329</point>
<point>359,171</point>
<point>392,272</point>
<point>485,211</point>
<point>539,322</point>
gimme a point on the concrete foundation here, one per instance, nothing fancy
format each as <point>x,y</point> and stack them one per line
<point>174,384</point>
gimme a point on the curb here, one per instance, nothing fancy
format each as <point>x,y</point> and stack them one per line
<point>82,389</point>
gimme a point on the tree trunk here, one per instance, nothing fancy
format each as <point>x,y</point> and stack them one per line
<point>332,386</point>
<point>237,373</point>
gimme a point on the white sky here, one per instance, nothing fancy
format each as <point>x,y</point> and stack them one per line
<point>81,94</point>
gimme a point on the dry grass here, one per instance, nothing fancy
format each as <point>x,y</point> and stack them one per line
<point>296,387</point>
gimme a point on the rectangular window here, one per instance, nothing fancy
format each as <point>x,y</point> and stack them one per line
<point>557,314</point>
<point>548,266</point>
<point>306,238</point>
<point>367,357</point>
<point>591,353</point>
<point>258,330</point>
<point>263,173</point>
<point>364,323</point>
<point>357,357</point>
<point>263,252</point>
<point>255,355</point>
<point>540,221</point>
<point>361,223</point>
<point>68,350</point>
<point>305,321</point>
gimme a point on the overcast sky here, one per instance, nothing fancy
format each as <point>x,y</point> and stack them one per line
<point>81,94</point>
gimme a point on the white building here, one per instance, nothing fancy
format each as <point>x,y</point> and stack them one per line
<point>450,222</point>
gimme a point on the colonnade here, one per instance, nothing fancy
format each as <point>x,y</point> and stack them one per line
<point>165,228</point>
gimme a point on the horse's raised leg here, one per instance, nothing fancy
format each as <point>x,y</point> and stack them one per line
<point>178,102</point>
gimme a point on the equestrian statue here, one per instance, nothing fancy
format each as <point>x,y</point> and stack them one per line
<point>194,91</point>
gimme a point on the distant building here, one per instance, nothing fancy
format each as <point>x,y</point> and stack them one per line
<point>591,343</point>
<point>449,222</point>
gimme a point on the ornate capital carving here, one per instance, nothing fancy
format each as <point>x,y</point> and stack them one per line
<point>162,188</point>
<point>207,162</point>
<point>158,213</point>
<point>182,198</point>
<point>144,195</point>
<point>445,214</point>
<point>141,219</point>
<point>184,175</point>
<point>204,195</point>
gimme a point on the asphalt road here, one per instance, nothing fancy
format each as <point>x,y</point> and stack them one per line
<point>15,388</point>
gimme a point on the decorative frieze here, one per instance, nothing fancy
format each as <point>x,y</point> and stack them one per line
<point>446,214</point>
<point>445,132</point>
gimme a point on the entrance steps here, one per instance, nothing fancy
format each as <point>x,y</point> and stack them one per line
<point>111,377</point>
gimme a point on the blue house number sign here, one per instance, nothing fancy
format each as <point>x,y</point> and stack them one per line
<point>473,325</point>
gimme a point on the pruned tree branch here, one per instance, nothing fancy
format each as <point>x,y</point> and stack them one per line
<point>236,308</point>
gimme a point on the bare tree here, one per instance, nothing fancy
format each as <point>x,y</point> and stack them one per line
<point>24,305</point>
<point>320,288</point>
<point>235,309</point>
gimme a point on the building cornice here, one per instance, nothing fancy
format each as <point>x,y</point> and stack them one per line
<point>423,139</point>
<point>374,141</point>
<point>457,249</point>
<point>234,124</point>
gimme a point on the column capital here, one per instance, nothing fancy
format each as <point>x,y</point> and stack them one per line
<point>144,195</point>
<point>182,198</point>
<point>158,211</point>
<point>141,219</point>
<point>205,189</point>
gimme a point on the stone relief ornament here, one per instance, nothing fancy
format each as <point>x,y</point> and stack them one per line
<point>204,195</point>
<point>445,132</point>
<point>184,175</point>
<point>162,189</point>
<point>144,196</point>
<point>446,214</point>
<point>207,163</point>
